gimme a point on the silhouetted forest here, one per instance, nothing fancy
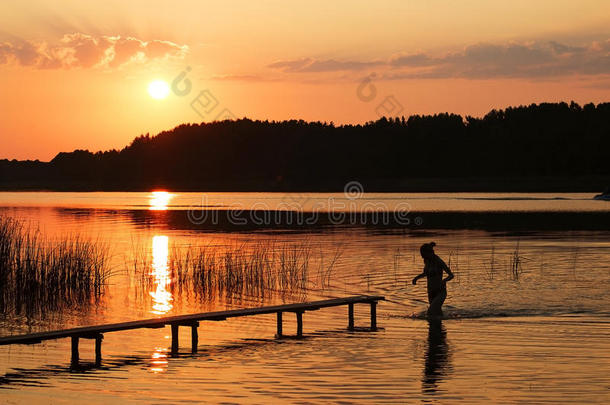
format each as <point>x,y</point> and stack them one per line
<point>538,147</point>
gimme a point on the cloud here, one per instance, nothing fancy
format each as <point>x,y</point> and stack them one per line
<point>291,65</point>
<point>534,60</point>
<point>418,59</point>
<point>478,61</point>
<point>22,52</point>
<point>563,49</point>
<point>313,65</point>
<point>125,50</point>
<point>78,50</point>
<point>159,49</point>
<point>84,50</point>
<point>240,78</point>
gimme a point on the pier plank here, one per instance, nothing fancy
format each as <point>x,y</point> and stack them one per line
<point>190,319</point>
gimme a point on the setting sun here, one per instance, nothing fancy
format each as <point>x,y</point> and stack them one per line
<point>159,200</point>
<point>158,89</point>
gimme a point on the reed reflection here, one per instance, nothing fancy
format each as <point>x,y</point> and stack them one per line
<point>162,298</point>
<point>437,364</point>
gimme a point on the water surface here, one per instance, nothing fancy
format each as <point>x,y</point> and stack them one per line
<point>538,336</point>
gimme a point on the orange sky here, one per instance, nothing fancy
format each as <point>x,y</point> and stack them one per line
<point>74,74</point>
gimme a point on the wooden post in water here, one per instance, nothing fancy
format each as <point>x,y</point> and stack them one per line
<point>96,332</point>
<point>373,315</point>
<point>279,325</point>
<point>98,349</point>
<point>175,343</point>
<point>350,315</point>
<point>74,359</point>
<point>299,323</point>
<point>194,337</point>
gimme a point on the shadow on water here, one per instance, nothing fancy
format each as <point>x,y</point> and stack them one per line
<point>242,220</point>
<point>437,365</point>
<point>41,376</point>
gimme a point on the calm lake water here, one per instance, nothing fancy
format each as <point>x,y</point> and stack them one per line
<point>537,336</point>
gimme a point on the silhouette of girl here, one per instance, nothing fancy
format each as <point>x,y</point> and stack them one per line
<point>433,271</point>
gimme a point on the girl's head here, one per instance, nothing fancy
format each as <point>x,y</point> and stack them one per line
<point>427,250</point>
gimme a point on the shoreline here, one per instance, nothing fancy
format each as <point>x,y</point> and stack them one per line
<point>533,184</point>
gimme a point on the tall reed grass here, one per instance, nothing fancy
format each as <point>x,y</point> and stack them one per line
<point>40,274</point>
<point>250,269</point>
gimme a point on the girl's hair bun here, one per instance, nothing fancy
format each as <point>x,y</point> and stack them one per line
<point>427,248</point>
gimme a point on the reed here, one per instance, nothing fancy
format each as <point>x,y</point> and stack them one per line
<point>249,269</point>
<point>454,264</point>
<point>516,262</point>
<point>492,264</point>
<point>325,272</point>
<point>40,274</point>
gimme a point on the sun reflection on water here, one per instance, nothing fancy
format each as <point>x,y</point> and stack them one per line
<point>158,361</point>
<point>159,200</point>
<point>162,298</point>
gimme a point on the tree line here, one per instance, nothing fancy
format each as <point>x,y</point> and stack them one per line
<point>559,142</point>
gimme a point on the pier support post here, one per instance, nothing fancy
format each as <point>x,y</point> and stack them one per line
<point>194,337</point>
<point>373,315</point>
<point>279,325</point>
<point>350,316</point>
<point>299,323</point>
<point>98,349</point>
<point>175,343</point>
<point>75,356</point>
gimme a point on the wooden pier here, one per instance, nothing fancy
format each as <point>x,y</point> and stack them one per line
<point>96,332</point>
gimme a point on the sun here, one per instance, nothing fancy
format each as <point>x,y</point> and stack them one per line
<point>159,200</point>
<point>158,89</point>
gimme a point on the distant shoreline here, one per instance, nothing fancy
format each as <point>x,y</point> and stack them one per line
<point>546,184</point>
<point>553,147</point>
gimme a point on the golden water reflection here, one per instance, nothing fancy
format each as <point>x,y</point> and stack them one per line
<point>159,200</point>
<point>158,361</point>
<point>162,298</point>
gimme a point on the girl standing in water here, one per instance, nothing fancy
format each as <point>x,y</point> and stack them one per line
<point>434,267</point>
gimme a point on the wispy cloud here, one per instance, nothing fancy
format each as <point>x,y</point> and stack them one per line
<point>80,50</point>
<point>478,61</point>
<point>315,65</point>
<point>241,78</point>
